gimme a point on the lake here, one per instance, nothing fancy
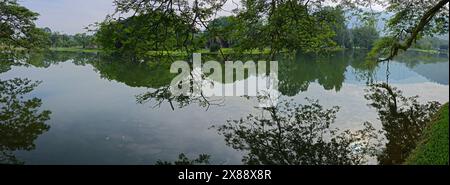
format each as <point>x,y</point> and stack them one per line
<point>97,118</point>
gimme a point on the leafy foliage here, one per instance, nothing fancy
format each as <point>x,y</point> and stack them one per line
<point>221,33</point>
<point>156,25</point>
<point>162,25</point>
<point>184,160</point>
<point>155,31</point>
<point>290,25</point>
<point>411,20</point>
<point>365,36</point>
<point>17,28</point>
<point>343,35</point>
<point>20,120</point>
<point>433,148</point>
<point>64,40</point>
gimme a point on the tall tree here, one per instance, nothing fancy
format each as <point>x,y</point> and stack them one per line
<point>222,31</point>
<point>17,27</point>
<point>82,39</point>
<point>158,25</point>
<point>411,20</point>
<point>279,25</point>
<point>292,25</point>
<point>365,36</point>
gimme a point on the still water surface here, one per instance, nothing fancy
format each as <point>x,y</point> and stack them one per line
<point>96,119</point>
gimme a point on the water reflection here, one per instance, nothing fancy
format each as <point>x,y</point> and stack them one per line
<point>163,94</point>
<point>202,159</point>
<point>434,67</point>
<point>134,74</point>
<point>21,122</point>
<point>303,134</point>
<point>296,72</point>
<point>105,119</point>
<point>295,134</point>
<point>8,60</point>
<point>403,120</point>
<point>413,58</point>
<point>296,75</point>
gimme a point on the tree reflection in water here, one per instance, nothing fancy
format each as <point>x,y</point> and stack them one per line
<point>163,94</point>
<point>285,134</point>
<point>293,134</point>
<point>195,94</point>
<point>20,120</point>
<point>403,120</point>
<point>202,159</point>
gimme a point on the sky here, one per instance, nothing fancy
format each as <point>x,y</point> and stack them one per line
<point>72,16</point>
<point>69,16</point>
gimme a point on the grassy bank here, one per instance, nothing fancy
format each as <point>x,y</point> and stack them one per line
<point>225,51</point>
<point>433,149</point>
<point>85,50</point>
<point>426,51</point>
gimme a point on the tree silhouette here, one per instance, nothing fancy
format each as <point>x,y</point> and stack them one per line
<point>403,120</point>
<point>20,120</point>
<point>184,160</point>
<point>294,134</point>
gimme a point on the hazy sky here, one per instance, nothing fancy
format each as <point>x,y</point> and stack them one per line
<point>72,16</point>
<point>69,16</point>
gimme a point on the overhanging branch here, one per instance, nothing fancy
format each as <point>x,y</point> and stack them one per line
<point>426,18</point>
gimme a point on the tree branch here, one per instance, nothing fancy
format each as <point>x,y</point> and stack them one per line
<point>426,18</point>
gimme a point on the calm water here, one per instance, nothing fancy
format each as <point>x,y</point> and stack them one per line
<point>96,118</point>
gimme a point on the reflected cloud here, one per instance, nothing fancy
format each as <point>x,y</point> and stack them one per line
<point>298,134</point>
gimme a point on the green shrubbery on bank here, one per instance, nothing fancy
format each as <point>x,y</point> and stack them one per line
<point>225,51</point>
<point>85,50</point>
<point>433,149</point>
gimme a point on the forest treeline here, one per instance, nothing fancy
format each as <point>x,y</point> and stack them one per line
<point>274,25</point>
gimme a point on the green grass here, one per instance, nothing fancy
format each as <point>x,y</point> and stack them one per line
<point>225,51</point>
<point>433,149</point>
<point>425,51</point>
<point>85,50</point>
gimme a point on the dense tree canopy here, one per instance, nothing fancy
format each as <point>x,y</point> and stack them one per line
<point>139,26</point>
<point>65,40</point>
<point>157,25</point>
<point>153,31</point>
<point>176,25</point>
<point>301,25</point>
<point>292,25</point>
<point>365,36</point>
<point>412,20</point>
<point>17,27</point>
<point>222,32</point>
